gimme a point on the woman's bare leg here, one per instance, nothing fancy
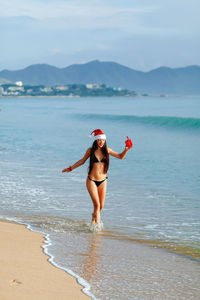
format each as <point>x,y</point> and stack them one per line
<point>92,189</point>
<point>102,193</point>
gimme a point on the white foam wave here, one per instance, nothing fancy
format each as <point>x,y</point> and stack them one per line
<point>96,227</point>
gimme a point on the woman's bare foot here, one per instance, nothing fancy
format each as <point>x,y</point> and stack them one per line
<point>93,218</point>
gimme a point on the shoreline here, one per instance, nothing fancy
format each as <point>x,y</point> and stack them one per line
<point>116,96</point>
<point>27,272</point>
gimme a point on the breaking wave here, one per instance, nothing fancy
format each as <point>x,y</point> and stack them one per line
<point>160,121</point>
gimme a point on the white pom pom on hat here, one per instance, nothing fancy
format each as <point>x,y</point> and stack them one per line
<point>98,134</point>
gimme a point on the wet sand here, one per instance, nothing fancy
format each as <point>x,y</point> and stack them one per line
<point>25,270</point>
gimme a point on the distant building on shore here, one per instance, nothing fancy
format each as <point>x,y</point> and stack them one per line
<point>19,83</point>
<point>62,88</point>
<point>46,89</point>
<point>16,88</point>
<point>92,86</point>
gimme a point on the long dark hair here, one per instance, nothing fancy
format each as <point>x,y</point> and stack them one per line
<point>104,150</point>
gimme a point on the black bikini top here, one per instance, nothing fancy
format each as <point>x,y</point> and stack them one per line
<point>98,161</point>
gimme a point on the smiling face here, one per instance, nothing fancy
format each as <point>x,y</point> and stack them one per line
<point>100,142</point>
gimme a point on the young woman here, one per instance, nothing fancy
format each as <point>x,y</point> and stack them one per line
<point>98,167</point>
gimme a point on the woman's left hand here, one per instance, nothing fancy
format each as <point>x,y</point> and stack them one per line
<point>128,148</point>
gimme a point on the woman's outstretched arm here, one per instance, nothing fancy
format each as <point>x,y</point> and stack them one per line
<point>119,155</point>
<point>79,162</point>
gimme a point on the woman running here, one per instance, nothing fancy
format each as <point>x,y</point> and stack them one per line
<point>98,168</point>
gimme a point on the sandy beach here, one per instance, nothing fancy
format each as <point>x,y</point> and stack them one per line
<point>25,270</point>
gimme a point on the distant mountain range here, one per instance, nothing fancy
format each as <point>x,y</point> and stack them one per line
<point>162,80</point>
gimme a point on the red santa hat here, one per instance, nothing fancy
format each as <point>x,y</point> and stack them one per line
<point>98,134</point>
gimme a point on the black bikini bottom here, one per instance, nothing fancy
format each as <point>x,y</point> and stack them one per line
<point>97,182</point>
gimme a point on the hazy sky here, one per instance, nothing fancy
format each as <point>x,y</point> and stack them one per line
<point>141,34</point>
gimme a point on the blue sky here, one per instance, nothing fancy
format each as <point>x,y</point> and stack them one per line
<point>141,34</point>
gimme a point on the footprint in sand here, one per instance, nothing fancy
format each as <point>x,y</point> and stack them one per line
<point>15,282</point>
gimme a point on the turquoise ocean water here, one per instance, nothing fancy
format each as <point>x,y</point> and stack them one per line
<point>152,211</point>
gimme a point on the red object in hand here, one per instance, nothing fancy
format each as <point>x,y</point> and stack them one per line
<point>128,142</point>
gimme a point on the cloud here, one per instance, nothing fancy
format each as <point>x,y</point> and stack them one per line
<point>68,15</point>
<point>97,29</point>
<point>56,51</point>
<point>61,9</point>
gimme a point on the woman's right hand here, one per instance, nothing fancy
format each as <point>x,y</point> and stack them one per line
<point>69,169</point>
